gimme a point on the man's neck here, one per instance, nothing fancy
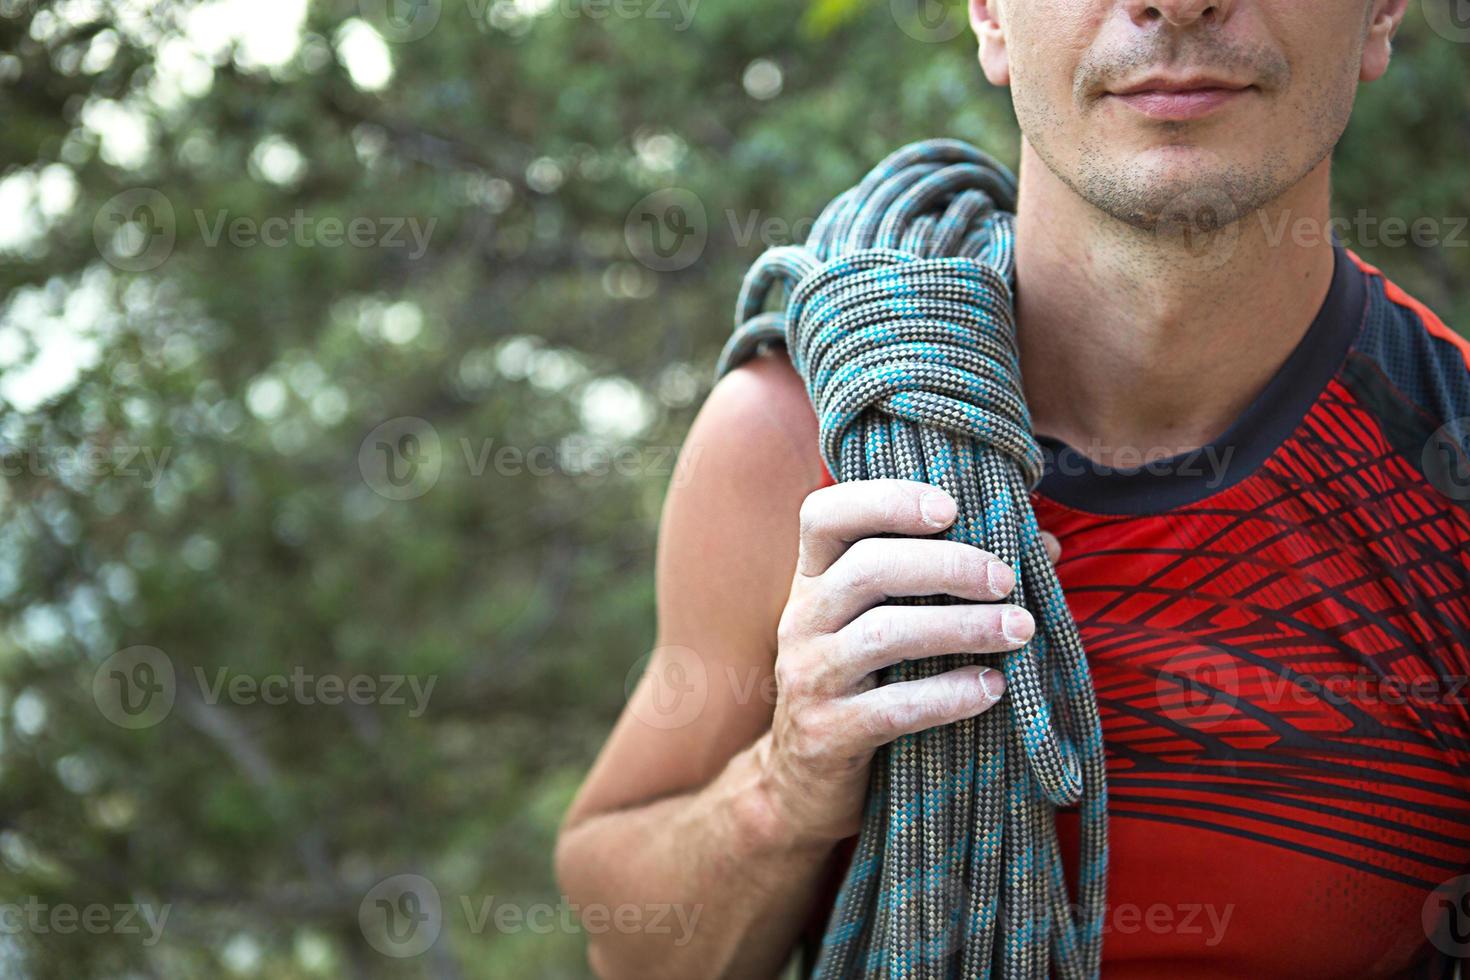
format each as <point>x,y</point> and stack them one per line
<point>1131,344</point>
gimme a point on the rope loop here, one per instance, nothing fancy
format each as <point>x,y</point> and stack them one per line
<point>915,339</point>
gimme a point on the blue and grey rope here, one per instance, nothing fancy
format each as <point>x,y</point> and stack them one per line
<point>899,316</point>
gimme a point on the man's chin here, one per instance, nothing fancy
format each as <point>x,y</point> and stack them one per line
<point>1170,187</point>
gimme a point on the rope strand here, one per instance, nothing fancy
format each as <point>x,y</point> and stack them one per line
<point>900,319</point>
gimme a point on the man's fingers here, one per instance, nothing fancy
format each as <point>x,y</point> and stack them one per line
<point>832,518</point>
<point>886,712</point>
<point>886,635</point>
<point>877,569</point>
<point>1053,546</point>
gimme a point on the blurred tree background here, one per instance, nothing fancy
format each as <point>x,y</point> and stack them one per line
<point>200,407</point>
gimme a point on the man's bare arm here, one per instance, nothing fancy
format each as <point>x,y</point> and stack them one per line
<point>726,807</point>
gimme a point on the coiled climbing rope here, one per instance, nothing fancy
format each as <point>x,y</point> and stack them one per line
<point>898,314</point>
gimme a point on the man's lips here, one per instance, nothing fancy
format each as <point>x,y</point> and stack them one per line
<point>1179,101</point>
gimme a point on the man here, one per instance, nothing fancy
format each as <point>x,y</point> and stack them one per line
<point>1275,609</point>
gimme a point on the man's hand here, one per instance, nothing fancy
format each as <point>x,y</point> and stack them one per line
<point>836,632</point>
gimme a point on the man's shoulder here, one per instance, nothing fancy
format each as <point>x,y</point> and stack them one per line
<point>760,413</point>
<point>728,536</point>
<point>1411,372</point>
<point>1418,358</point>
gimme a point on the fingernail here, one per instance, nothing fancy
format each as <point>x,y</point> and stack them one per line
<point>1000,577</point>
<point>938,508</point>
<point>1017,624</point>
<point>994,682</point>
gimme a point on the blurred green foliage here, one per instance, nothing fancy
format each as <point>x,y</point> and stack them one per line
<point>530,335</point>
